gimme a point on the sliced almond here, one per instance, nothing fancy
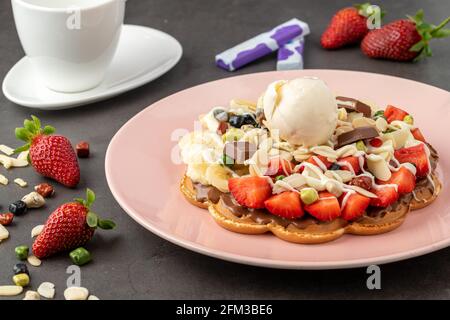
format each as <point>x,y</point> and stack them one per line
<point>34,200</point>
<point>3,180</point>
<point>76,293</point>
<point>47,290</point>
<point>9,162</point>
<point>10,291</point>
<point>4,233</point>
<point>23,155</point>
<point>6,150</point>
<point>20,182</point>
<point>31,295</point>
<point>34,261</point>
<point>363,122</point>
<point>37,230</point>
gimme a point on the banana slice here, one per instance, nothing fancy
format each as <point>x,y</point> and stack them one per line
<point>218,176</point>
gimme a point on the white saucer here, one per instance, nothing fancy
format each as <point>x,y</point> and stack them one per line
<point>143,54</point>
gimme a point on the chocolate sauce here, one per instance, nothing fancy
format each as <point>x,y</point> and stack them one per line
<point>204,193</point>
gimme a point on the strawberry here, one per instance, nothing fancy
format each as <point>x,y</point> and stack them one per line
<point>51,155</point>
<point>322,159</point>
<point>278,166</point>
<point>348,26</point>
<point>70,226</point>
<point>286,205</point>
<point>393,113</point>
<point>326,208</point>
<point>250,192</point>
<point>404,179</point>
<point>417,134</point>
<point>415,155</point>
<point>355,206</point>
<point>353,161</point>
<point>403,40</point>
<point>385,197</point>
<point>376,142</point>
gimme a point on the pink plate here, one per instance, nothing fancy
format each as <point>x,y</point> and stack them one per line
<point>144,179</point>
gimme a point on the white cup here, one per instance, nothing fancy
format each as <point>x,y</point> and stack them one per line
<point>70,42</point>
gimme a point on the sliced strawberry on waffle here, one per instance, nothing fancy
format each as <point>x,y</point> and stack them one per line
<point>353,161</point>
<point>417,156</point>
<point>417,134</point>
<point>326,208</point>
<point>279,166</point>
<point>286,205</point>
<point>322,159</point>
<point>393,113</point>
<point>385,197</point>
<point>404,179</point>
<point>355,206</point>
<point>250,192</point>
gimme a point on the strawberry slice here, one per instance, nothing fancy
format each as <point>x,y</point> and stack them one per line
<point>250,192</point>
<point>355,206</point>
<point>405,180</point>
<point>353,161</point>
<point>417,134</point>
<point>286,205</point>
<point>326,208</point>
<point>393,113</point>
<point>415,155</point>
<point>279,166</point>
<point>322,159</point>
<point>376,142</point>
<point>385,197</point>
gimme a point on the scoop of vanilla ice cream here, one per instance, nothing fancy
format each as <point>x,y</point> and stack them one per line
<point>302,111</point>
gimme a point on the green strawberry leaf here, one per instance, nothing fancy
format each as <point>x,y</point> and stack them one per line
<point>441,33</point>
<point>36,121</point>
<point>90,197</point>
<point>22,148</point>
<point>30,126</point>
<point>92,219</point>
<point>417,47</point>
<point>81,200</point>
<point>22,134</point>
<point>49,130</point>
<point>427,31</point>
<point>106,224</point>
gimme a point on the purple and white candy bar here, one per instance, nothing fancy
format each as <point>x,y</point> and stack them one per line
<point>261,45</point>
<point>290,55</point>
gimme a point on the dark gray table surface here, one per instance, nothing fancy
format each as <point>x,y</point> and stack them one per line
<point>132,263</point>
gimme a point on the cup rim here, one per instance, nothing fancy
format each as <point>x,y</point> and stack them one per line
<point>47,9</point>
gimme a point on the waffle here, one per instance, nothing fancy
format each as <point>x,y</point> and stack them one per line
<point>231,216</point>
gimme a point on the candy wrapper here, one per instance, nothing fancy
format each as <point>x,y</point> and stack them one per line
<point>261,45</point>
<point>290,55</point>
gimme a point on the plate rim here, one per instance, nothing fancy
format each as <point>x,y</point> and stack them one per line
<point>262,262</point>
<point>106,94</point>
